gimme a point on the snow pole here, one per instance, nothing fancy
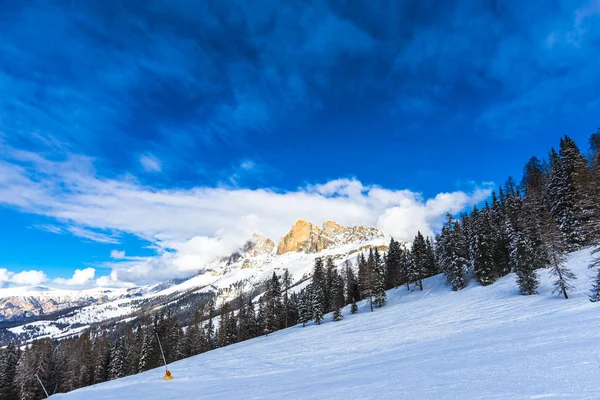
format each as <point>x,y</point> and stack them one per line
<point>161,351</point>
<point>40,381</point>
<point>168,375</point>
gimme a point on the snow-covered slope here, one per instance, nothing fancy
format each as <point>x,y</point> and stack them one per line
<point>478,343</point>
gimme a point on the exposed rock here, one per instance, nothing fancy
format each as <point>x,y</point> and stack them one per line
<point>309,238</point>
<point>302,237</point>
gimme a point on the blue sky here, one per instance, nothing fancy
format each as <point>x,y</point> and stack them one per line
<point>164,132</point>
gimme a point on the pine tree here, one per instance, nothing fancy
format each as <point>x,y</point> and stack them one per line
<point>594,184</point>
<point>483,257</point>
<point>9,358</point>
<point>370,279</point>
<point>337,315</point>
<point>379,294</point>
<point>595,292</point>
<point>286,282</point>
<point>118,361</point>
<point>352,287</point>
<point>525,264</point>
<point>101,357</point>
<point>419,269</point>
<point>431,262</point>
<point>150,354</point>
<point>364,277</point>
<point>354,307</point>
<point>453,253</point>
<point>318,304</point>
<point>304,308</point>
<point>330,273</point>
<point>499,236</point>
<point>554,249</point>
<point>393,261</point>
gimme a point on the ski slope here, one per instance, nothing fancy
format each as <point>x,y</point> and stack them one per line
<point>478,343</point>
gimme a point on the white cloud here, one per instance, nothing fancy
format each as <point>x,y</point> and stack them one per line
<point>5,276</point>
<point>80,277</point>
<point>150,163</point>
<point>30,277</point>
<point>117,254</point>
<point>112,281</point>
<point>189,227</point>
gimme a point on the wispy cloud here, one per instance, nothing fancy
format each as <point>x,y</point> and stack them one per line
<point>150,163</point>
<point>117,254</point>
<point>92,235</point>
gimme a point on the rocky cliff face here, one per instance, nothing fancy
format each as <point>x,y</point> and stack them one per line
<point>308,238</point>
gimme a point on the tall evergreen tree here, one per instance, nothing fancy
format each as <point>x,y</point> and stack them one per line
<point>379,294</point>
<point>352,288</point>
<point>318,304</point>
<point>393,260</point>
<point>118,361</point>
<point>304,307</point>
<point>453,253</point>
<point>419,268</point>
<point>286,281</point>
<point>431,262</point>
<point>525,264</point>
<point>595,292</point>
<point>9,358</point>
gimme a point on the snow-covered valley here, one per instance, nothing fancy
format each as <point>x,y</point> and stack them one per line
<point>477,343</point>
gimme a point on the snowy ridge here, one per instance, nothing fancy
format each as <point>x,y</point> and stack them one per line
<point>477,343</point>
<point>255,263</point>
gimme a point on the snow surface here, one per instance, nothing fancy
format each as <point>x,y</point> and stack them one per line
<point>478,343</point>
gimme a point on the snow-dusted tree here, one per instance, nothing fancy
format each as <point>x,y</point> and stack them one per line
<point>9,358</point>
<point>286,282</point>
<point>525,264</point>
<point>354,307</point>
<point>318,304</point>
<point>150,354</point>
<point>483,265</point>
<point>595,292</point>
<point>393,260</point>
<point>365,279</point>
<point>352,288</point>
<point>118,360</point>
<point>431,262</point>
<point>101,356</point>
<point>554,250</point>
<point>304,309</point>
<point>453,253</point>
<point>379,294</point>
<point>274,308</point>
<point>418,268</point>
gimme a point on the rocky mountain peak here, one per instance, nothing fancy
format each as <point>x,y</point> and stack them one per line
<point>258,244</point>
<point>309,238</point>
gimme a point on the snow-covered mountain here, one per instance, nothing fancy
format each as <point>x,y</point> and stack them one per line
<point>478,343</point>
<point>34,301</point>
<point>227,276</point>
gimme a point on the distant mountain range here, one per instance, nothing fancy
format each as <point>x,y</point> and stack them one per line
<point>35,312</point>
